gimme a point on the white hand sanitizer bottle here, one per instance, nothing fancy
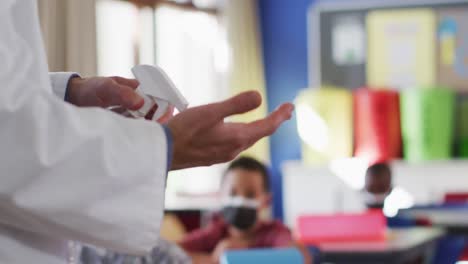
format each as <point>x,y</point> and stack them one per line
<point>156,88</point>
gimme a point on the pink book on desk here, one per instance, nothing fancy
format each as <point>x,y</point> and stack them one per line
<point>316,229</point>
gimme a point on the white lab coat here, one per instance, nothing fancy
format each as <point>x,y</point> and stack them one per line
<point>68,173</point>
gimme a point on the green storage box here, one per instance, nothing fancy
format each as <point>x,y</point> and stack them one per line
<point>462,126</point>
<point>427,123</point>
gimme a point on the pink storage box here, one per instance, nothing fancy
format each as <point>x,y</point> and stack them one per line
<point>315,229</point>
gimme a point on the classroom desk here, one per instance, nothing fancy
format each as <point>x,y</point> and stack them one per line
<point>401,245</point>
<point>454,221</point>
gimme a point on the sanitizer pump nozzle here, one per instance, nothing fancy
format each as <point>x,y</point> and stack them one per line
<point>156,88</point>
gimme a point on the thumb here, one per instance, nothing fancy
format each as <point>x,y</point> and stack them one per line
<point>129,98</point>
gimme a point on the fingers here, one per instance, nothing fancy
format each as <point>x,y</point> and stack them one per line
<point>267,126</point>
<point>242,136</point>
<point>213,113</point>
<point>167,116</point>
<point>132,83</point>
<point>206,116</point>
<point>118,94</point>
<point>127,98</point>
<point>238,104</point>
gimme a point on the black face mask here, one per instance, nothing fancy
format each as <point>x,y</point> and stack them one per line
<point>374,205</point>
<point>375,201</point>
<point>241,217</point>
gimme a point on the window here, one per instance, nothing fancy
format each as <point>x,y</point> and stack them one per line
<point>116,22</point>
<point>188,44</point>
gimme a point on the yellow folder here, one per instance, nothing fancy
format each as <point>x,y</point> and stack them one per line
<point>401,48</point>
<point>324,123</point>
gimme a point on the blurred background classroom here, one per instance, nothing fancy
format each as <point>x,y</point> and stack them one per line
<point>373,81</point>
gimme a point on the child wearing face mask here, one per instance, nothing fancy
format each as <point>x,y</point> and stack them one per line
<point>378,185</point>
<point>241,223</point>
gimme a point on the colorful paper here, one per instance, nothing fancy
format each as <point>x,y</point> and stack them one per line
<point>462,126</point>
<point>453,48</point>
<point>447,40</point>
<point>348,41</point>
<point>401,50</point>
<point>324,119</point>
<point>427,123</point>
<point>377,130</point>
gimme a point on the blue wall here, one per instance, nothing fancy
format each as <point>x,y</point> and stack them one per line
<point>284,36</point>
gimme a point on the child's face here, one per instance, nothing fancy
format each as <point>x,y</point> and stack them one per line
<point>378,183</point>
<point>247,184</point>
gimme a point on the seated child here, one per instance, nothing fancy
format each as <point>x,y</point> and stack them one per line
<point>245,189</point>
<point>378,185</point>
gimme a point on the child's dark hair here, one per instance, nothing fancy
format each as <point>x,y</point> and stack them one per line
<point>379,169</point>
<point>250,164</point>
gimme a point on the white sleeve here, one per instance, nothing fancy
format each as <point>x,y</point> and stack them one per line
<point>67,172</point>
<point>59,82</point>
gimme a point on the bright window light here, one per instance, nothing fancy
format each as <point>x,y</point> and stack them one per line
<point>116,23</point>
<point>191,46</point>
<point>146,36</point>
<point>352,171</point>
<point>199,180</point>
<point>192,49</point>
<point>188,43</point>
<point>398,199</point>
<point>205,3</point>
<point>312,128</point>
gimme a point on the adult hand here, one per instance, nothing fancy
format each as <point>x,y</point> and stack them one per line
<point>202,138</point>
<point>104,92</point>
<point>110,91</point>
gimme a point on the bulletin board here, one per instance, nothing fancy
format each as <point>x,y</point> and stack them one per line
<point>379,43</point>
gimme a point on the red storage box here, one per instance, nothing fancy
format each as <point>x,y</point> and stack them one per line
<point>456,198</point>
<point>377,130</point>
<point>369,226</point>
<point>464,256</point>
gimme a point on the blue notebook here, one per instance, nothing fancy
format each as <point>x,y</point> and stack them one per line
<point>255,256</point>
